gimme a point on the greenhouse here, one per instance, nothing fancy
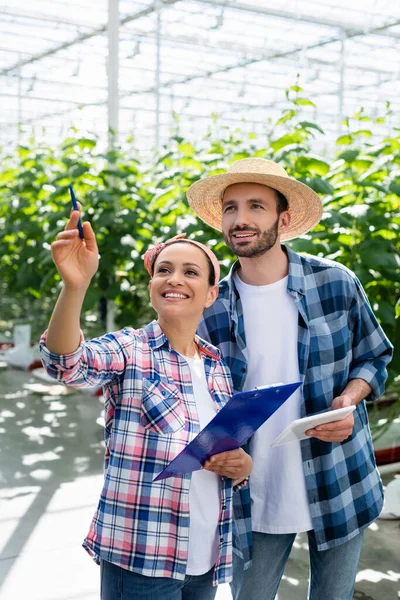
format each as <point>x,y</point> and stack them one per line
<point>241,124</point>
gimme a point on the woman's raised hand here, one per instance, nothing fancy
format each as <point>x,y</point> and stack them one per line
<point>76,260</point>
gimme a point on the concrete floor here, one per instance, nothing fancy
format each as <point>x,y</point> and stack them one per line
<point>50,479</point>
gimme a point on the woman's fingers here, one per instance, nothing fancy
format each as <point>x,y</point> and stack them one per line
<point>67,234</point>
<point>79,208</point>
<point>73,220</point>
<point>234,464</point>
<point>89,237</point>
<point>71,232</point>
<point>60,244</point>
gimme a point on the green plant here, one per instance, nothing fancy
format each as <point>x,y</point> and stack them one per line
<point>133,202</point>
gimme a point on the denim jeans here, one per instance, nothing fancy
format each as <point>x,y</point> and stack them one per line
<point>121,584</point>
<point>332,572</point>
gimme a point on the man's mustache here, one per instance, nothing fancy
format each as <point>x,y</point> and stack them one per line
<point>247,229</point>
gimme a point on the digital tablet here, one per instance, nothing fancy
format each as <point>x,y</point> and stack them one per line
<point>297,429</point>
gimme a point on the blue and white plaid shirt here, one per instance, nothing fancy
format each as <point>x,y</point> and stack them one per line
<point>339,338</point>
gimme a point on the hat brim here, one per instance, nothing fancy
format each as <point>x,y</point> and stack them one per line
<point>305,206</point>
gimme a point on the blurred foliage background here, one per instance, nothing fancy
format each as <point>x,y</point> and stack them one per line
<point>133,201</point>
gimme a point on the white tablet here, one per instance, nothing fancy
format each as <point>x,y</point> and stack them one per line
<point>296,430</point>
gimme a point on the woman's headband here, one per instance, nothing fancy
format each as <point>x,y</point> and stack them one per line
<point>151,254</point>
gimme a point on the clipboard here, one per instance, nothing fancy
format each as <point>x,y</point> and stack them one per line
<point>231,427</point>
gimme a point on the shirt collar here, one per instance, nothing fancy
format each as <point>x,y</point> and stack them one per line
<point>295,280</point>
<point>157,338</point>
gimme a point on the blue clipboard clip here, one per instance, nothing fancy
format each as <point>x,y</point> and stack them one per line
<point>231,427</point>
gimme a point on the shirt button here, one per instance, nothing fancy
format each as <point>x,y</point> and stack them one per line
<point>243,369</point>
<point>224,507</point>
<point>221,539</point>
<point>164,393</point>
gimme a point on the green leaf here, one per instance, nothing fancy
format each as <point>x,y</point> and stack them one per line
<point>349,155</point>
<point>346,239</point>
<point>363,132</point>
<point>162,197</point>
<point>343,140</point>
<point>363,163</point>
<point>308,125</point>
<point>86,143</point>
<point>286,140</point>
<point>378,259</point>
<point>303,102</point>
<point>287,115</point>
<point>386,313</point>
<point>394,187</point>
<point>191,163</point>
<point>321,186</point>
<point>371,184</point>
<point>186,149</point>
<point>311,165</point>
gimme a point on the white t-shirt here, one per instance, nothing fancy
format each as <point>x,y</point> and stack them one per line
<point>204,494</point>
<point>277,483</point>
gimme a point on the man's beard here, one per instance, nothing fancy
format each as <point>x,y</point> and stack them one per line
<point>265,243</point>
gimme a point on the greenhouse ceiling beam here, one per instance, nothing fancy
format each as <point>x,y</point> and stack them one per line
<point>14,13</point>
<point>280,104</point>
<point>237,65</point>
<point>248,62</point>
<point>184,40</point>
<point>350,31</point>
<point>86,36</point>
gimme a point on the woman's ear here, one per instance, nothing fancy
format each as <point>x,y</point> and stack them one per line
<point>211,296</point>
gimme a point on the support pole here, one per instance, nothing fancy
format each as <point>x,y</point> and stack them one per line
<point>113,107</point>
<point>341,81</point>
<point>112,71</point>
<point>19,104</point>
<point>158,74</point>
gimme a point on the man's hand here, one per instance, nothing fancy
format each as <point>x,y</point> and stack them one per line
<point>236,464</point>
<point>337,431</point>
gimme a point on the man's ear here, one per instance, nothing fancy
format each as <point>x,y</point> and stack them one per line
<point>284,220</point>
<point>211,296</point>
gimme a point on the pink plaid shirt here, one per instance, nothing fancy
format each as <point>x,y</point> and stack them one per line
<point>150,416</point>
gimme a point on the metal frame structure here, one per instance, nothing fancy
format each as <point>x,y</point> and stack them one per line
<point>126,67</point>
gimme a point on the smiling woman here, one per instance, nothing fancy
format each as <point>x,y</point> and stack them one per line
<point>184,282</point>
<point>160,391</point>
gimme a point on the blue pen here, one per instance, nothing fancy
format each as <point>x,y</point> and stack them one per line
<point>76,207</point>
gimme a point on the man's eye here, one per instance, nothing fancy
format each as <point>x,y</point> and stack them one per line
<point>227,209</point>
<point>256,206</point>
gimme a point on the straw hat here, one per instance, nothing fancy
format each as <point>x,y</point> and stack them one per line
<point>305,206</point>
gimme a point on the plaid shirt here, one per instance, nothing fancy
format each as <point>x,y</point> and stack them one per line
<point>339,339</point>
<point>150,416</point>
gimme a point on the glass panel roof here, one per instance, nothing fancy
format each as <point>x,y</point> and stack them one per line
<point>225,57</point>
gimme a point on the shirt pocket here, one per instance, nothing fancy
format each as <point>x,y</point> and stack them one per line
<point>161,409</point>
<point>330,343</point>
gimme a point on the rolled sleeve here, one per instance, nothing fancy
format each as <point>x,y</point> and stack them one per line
<point>92,364</point>
<point>63,362</point>
<point>372,351</point>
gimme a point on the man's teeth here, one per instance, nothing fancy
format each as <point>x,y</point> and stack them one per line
<point>172,295</point>
<point>243,235</point>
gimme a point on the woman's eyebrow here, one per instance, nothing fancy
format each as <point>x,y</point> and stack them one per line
<point>187,264</point>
